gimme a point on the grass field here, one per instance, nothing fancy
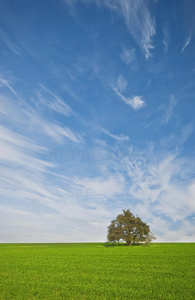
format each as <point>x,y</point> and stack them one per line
<point>94,271</point>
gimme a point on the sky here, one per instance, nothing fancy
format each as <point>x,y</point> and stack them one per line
<point>96,116</point>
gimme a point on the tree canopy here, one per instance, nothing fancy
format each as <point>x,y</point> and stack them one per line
<point>130,229</point>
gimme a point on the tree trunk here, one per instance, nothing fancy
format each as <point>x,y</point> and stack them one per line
<point>128,243</point>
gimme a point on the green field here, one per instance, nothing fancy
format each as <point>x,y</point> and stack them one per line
<point>96,271</point>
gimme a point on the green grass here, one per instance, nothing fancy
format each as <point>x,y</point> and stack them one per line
<point>93,271</point>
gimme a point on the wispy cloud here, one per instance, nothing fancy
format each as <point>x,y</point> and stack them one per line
<point>169,111</point>
<point>24,177</point>
<point>185,133</point>
<point>19,140</point>
<point>62,201</point>
<point>120,137</point>
<point>9,43</point>
<point>56,131</point>
<point>6,83</point>
<point>42,201</point>
<point>136,102</point>
<point>128,56</point>
<point>186,44</point>
<point>103,187</point>
<point>20,151</point>
<point>178,139</point>
<point>23,226</point>
<point>157,187</point>
<point>24,113</point>
<point>139,21</point>
<point>121,83</point>
<point>101,143</point>
<point>165,40</point>
<point>54,102</point>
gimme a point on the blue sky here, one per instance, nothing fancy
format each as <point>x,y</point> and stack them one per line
<point>96,115</point>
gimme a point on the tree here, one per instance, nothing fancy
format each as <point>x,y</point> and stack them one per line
<point>151,236</point>
<point>130,229</point>
<point>114,232</point>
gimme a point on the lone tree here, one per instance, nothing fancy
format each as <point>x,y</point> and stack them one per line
<point>130,229</point>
